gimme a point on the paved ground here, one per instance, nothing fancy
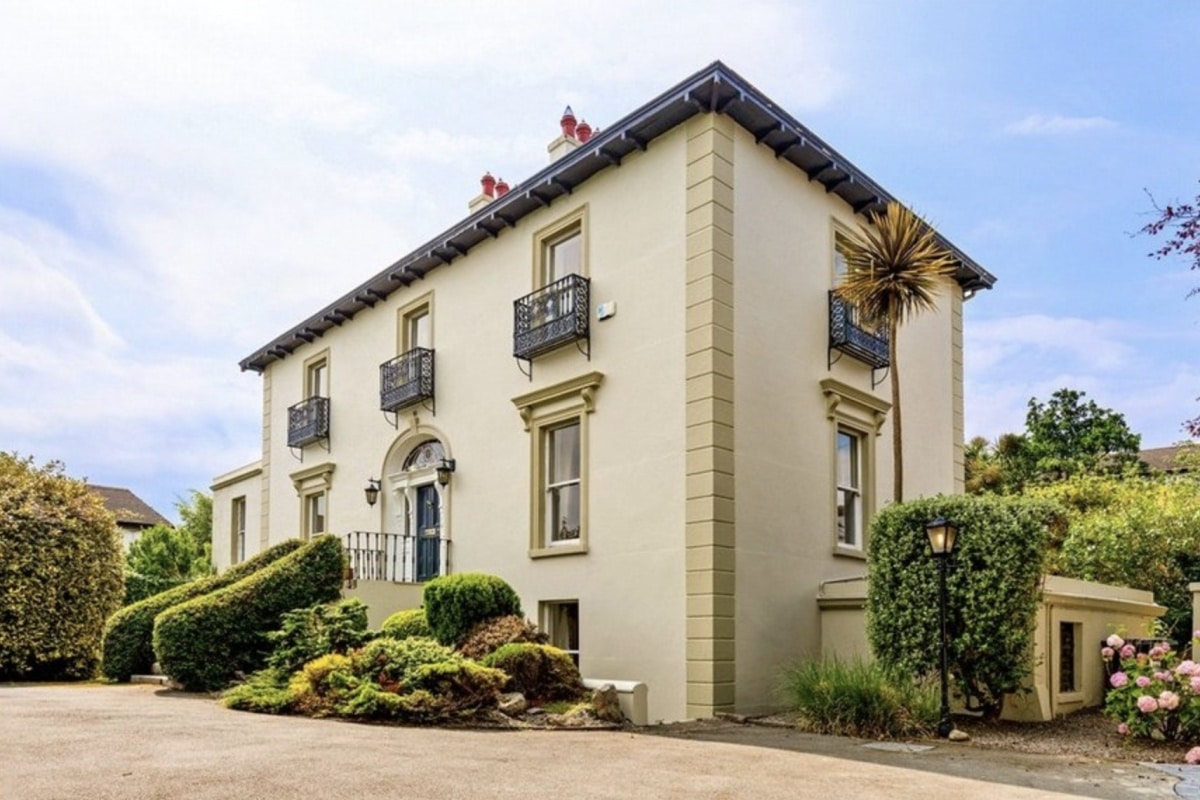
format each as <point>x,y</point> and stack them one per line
<point>138,742</point>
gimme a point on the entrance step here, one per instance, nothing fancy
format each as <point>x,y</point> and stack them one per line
<point>160,680</point>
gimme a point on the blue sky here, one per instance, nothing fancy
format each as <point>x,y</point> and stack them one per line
<point>179,184</point>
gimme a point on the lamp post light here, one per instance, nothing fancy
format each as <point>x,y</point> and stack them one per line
<point>371,491</point>
<point>942,535</point>
<point>444,471</point>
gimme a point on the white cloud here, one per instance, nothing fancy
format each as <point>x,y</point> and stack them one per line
<point>1055,125</point>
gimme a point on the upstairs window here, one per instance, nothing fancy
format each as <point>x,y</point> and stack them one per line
<point>237,513</point>
<point>563,484</point>
<point>317,379</point>
<point>563,255</point>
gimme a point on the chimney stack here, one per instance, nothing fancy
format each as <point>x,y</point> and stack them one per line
<point>571,136</point>
<point>487,192</point>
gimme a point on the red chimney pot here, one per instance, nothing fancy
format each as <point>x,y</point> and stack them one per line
<point>583,131</point>
<point>501,188</point>
<point>489,184</point>
<point>568,123</point>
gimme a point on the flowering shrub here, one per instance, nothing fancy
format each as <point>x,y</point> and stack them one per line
<point>1153,695</point>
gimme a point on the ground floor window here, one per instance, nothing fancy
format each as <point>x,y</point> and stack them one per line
<point>560,621</point>
<point>849,488</point>
<point>238,515</point>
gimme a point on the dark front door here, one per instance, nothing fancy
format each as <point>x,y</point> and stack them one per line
<point>429,526</point>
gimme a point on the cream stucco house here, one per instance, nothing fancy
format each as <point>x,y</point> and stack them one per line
<point>623,386</point>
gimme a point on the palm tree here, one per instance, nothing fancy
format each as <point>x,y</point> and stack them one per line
<point>894,268</point>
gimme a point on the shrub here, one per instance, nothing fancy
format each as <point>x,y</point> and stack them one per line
<point>993,588</point>
<point>128,635</point>
<point>492,634</point>
<point>456,603</point>
<point>388,662</point>
<point>1137,532</point>
<point>60,572</point>
<point>265,692</point>
<point>202,643</point>
<point>860,698</point>
<point>1153,695</point>
<point>538,671</point>
<point>406,623</point>
<point>309,633</point>
<point>139,587</point>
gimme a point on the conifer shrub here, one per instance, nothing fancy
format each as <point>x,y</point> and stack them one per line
<point>993,588</point>
<point>540,672</point>
<point>406,623</point>
<point>308,633</point>
<point>60,572</point>
<point>204,642</point>
<point>454,604</point>
<point>490,635</point>
<point>128,647</point>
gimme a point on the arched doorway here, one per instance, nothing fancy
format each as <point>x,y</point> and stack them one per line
<point>417,510</point>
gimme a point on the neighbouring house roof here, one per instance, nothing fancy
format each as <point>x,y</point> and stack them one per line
<point>129,509</point>
<point>1163,459</point>
<point>716,88</point>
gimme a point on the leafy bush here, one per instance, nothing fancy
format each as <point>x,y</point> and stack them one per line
<point>139,587</point>
<point>538,671</point>
<point>308,633</point>
<point>203,642</point>
<point>389,661</point>
<point>454,604</point>
<point>167,553</point>
<point>60,572</point>
<point>1137,532</point>
<point>860,698</point>
<point>1153,695</point>
<point>993,588</point>
<point>490,635</point>
<point>128,635</point>
<point>265,692</point>
<point>406,623</point>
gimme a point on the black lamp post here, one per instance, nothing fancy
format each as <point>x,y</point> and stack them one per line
<point>941,538</point>
<point>444,471</point>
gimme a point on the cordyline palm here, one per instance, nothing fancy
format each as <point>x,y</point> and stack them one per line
<point>894,269</point>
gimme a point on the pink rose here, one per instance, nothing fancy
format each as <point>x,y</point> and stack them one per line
<point>1123,729</point>
<point>1115,641</point>
<point>1193,755</point>
<point>1147,704</point>
<point>1168,700</point>
<point>1127,651</point>
<point>1142,681</point>
<point>1118,679</point>
<point>1187,667</point>
<point>1196,684</point>
<point>1107,653</point>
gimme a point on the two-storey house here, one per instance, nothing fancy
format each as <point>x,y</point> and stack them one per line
<point>624,386</point>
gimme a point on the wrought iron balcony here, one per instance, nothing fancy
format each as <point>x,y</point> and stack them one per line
<point>551,317</point>
<point>406,379</point>
<point>395,557</point>
<point>308,421</point>
<point>849,336</point>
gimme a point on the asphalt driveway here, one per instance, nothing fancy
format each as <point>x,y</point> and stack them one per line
<point>137,742</point>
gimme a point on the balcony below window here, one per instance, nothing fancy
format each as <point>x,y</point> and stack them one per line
<point>308,422</point>
<point>406,379</point>
<point>395,557</point>
<point>552,316</point>
<point>847,335</point>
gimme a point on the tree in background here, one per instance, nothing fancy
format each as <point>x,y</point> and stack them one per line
<point>1181,222</point>
<point>894,269</point>
<point>60,572</point>
<point>163,556</point>
<point>1063,437</point>
<point>1066,436</point>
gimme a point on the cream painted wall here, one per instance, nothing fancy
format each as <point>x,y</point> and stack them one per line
<point>630,586</point>
<point>243,482</point>
<point>785,466</point>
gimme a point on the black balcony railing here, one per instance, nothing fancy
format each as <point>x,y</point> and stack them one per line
<point>308,421</point>
<point>406,379</point>
<point>849,336</point>
<point>395,557</point>
<point>551,317</point>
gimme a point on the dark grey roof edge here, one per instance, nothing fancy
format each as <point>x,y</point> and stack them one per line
<point>716,88</point>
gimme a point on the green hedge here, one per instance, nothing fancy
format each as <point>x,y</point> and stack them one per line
<point>454,604</point>
<point>993,589</point>
<point>128,648</point>
<point>139,587</point>
<point>539,671</point>
<point>60,572</point>
<point>202,643</point>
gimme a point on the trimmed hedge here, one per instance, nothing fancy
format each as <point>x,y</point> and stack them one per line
<point>993,591</point>
<point>128,636</point>
<point>406,623</point>
<point>60,572</point>
<point>204,642</point>
<point>454,604</point>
